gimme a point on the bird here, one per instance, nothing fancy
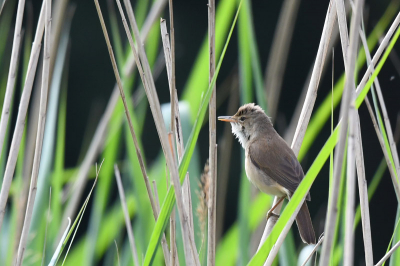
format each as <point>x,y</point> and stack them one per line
<point>270,163</point>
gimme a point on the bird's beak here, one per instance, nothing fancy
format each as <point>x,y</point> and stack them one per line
<point>227,119</point>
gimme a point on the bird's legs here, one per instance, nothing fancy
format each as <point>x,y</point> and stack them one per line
<point>270,212</point>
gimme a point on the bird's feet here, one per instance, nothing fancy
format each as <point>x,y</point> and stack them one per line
<point>270,214</point>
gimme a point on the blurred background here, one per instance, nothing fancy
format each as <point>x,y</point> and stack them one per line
<point>87,81</point>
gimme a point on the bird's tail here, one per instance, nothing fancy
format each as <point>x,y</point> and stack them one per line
<point>305,226</point>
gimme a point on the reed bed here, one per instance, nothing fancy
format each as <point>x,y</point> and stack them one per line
<point>149,202</point>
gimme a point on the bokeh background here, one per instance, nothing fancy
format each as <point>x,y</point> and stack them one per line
<point>91,80</point>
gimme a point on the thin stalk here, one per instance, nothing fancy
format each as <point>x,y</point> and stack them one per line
<point>12,73</point>
<point>385,153</point>
<point>344,35</point>
<point>191,255</point>
<point>313,251</point>
<point>393,249</point>
<point>96,144</point>
<point>40,133</point>
<point>126,216</point>
<point>388,127</point>
<point>177,129</point>
<point>315,78</point>
<point>354,150</point>
<point>307,108</point>
<point>350,189</point>
<point>344,111</point>
<point>172,70</point>
<point>23,108</point>
<point>122,93</point>
<point>363,191</point>
<point>213,142</point>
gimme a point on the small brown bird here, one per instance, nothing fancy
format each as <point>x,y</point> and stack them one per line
<point>270,164</point>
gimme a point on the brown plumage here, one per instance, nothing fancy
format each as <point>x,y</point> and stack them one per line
<point>271,165</point>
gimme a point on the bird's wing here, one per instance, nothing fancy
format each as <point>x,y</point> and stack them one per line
<point>281,166</point>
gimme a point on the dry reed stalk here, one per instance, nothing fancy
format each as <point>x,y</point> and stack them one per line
<point>23,108</point>
<point>39,137</point>
<point>354,149</point>
<point>387,255</point>
<point>191,255</point>
<point>348,257</point>
<point>315,77</point>
<point>305,116</point>
<point>126,215</point>
<point>385,154</point>
<point>388,127</point>
<point>344,34</point>
<point>175,117</point>
<point>177,129</point>
<point>213,142</point>
<point>278,54</point>
<point>121,90</point>
<point>363,191</point>
<point>339,151</point>
<point>12,72</point>
<point>172,87</point>
<point>96,144</point>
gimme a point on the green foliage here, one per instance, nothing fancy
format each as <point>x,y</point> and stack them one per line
<point>95,244</point>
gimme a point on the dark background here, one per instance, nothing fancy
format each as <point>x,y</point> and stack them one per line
<point>91,80</point>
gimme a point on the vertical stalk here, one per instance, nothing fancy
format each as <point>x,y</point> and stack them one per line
<point>212,135</point>
<point>40,133</point>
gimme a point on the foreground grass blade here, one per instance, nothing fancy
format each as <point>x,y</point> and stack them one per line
<point>170,198</point>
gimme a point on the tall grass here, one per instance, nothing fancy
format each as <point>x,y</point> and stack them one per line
<point>34,158</point>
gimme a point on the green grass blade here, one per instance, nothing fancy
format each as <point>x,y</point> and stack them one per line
<point>246,92</point>
<point>170,198</point>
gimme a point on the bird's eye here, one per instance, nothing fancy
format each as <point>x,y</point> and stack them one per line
<point>242,118</point>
